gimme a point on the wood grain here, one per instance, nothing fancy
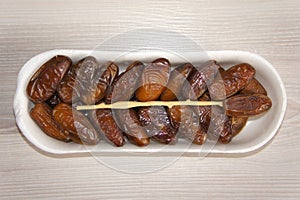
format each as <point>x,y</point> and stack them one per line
<point>269,28</point>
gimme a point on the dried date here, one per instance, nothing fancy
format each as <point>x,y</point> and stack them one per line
<point>124,86</point>
<point>199,79</point>
<point>177,78</point>
<point>45,81</point>
<point>104,76</point>
<point>75,123</point>
<point>153,80</point>
<point>104,121</point>
<point>186,121</point>
<point>157,124</point>
<point>42,115</point>
<point>215,122</point>
<point>237,124</point>
<point>128,121</point>
<point>67,91</point>
<point>254,87</point>
<point>232,81</point>
<point>247,105</point>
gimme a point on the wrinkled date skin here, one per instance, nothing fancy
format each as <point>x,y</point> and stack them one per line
<point>123,87</point>
<point>153,80</point>
<point>42,115</point>
<point>215,122</point>
<point>93,80</point>
<point>199,79</point>
<point>177,78</point>
<point>45,81</point>
<point>128,121</point>
<point>233,80</point>
<point>104,121</point>
<point>85,79</point>
<point>67,91</point>
<point>157,124</point>
<point>247,105</point>
<point>75,123</point>
<point>254,87</point>
<point>101,83</point>
<point>186,121</point>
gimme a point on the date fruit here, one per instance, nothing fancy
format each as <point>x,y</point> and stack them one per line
<point>124,86</point>
<point>186,121</point>
<point>42,115</point>
<point>215,122</point>
<point>199,79</point>
<point>157,124</point>
<point>104,121</point>
<point>45,81</point>
<point>237,124</point>
<point>67,91</point>
<point>153,80</point>
<point>247,105</point>
<point>75,123</point>
<point>128,121</point>
<point>177,78</point>
<point>232,81</point>
<point>254,87</point>
<point>99,85</point>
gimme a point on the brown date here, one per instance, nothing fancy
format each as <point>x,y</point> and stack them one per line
<point>75,123</point>
<point>66,90</point>
<point>128,121</point>
<point>177,78</point>
<point>254,87</point>
<point>247,105</point>
<point>42,115</point>
<point>123,87</point>
<point>153,80</point>
<point>45,81</point>
<point>100,84</point>
<point>237,124</point>
<point>157,124</point>
<point>232,125</point>
<point>199,79</point>
<point>215,122</point>
<point>104,121</point>
<point>185,120</point>
<point>93,80</point>
<point>231,81</point>
<point>134,64</point>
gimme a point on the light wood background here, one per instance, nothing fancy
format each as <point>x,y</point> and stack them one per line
<point>268,28</point>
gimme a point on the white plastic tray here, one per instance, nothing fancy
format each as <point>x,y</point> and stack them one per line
<point>256,134</point>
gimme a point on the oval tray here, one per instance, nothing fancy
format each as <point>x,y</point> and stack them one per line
<point>255,134</point>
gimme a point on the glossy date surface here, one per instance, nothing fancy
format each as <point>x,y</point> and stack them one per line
<point>153,80</point>
<point>75,123</point>
<point>104,121</point>
<point>157,124</point>
<point>45,81</point>
<point>42,115</point>
<point>231,81</point>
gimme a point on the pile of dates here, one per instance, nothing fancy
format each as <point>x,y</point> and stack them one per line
<point>58,86</point>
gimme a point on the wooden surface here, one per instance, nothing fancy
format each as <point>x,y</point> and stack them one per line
<point>268,28</point>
